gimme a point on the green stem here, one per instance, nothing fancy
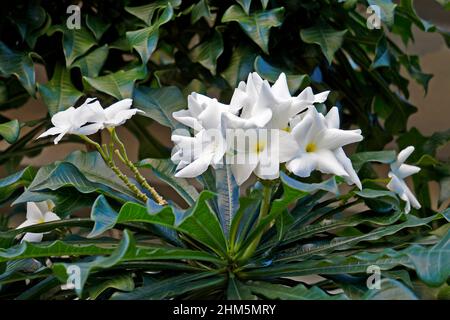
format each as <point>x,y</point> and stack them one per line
<point>123,156</point>
<point>110,162</point>
<point>263,211</point>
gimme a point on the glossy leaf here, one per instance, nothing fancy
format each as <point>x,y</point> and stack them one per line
<point>257,25</point>
<point>119,84</point>
<point>20,65</point>
<point>10,131</point>
<point>329,39</point>
<point>207,52</point>
<point>159,104</point>
<point>91,64</point>
<point>59,93</point>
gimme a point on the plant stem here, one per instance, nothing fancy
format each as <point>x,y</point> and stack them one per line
<point>123,156</point>
<point>264,209</point>
<point>110,162</point>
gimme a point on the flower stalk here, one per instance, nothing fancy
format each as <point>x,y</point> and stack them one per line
<point>110,162</point>
<point>263,211</point>
<point>123,156</point>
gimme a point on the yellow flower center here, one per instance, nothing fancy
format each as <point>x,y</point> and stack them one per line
<point>41,220</point>
<point>259,147</point>
<point>287,129</point>
<point>311,147</point>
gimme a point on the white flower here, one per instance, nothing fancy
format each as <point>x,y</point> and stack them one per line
<point>38,212</point>
<point>270,106</point>
<point>114,115</point>
<point>260,151</point>
<point>203,112</point>
<point>333,121</point>
<point>319,143</point>
<point>71,121</point>
<point>90,117</point>
<point>400,171</point>
<point>194,154</point>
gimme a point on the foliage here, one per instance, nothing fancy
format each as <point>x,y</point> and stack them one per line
<point>159,52</point>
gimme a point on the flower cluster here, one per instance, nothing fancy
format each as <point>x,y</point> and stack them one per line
<point>89,118</point>
<point>285,129</point>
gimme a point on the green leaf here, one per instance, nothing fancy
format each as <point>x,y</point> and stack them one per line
<point>174,286</point>
<point>207,52</point>
<point>360,158</point>
<point>271,73</point>
<point>164,169</point>
<point>432,264</point>
<point>147,12</point>
<point>199,10</point>
<point>87,172</point>
<point>292,191</point>
<point>329,39</point>
<point>122,283</point>
<point>227,197</point>
<point>32,23</point>
<point>390,289</point>
<point>382,55</point>
<point>257,25</point>
<point>241,64</point>
<point>119,84</point>
<point>198,222</point>
<point>91,64</point>
<point>144,41</point>
<point>159,104</point>
<point>97,26</point>
<point>104,216</point>
<point>237,290</point>
<point>20,65</point>
<point>59,93</point>
<point>342,243</point>
<point>10,131</point>
<point>245,4</point>
<point>387,9</point>
<point>75,42</point>
<point>299,292</point>
<point>18,180</point>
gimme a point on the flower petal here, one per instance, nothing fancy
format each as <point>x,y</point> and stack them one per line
<point>348,166</point>
<point>280,88</point>
<point>117,107</point>
<point>303,165</point>
<point>197,167</point>
<point>332,118</point>
<point>51,216</point>
<point>32,237</point>
<point>33,212</point>
<point>335,138</point>
<point>242,171</point>
<point>328,163</point>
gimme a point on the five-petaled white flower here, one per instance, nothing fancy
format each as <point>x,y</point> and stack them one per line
<point>38,212</point>
<point>320,145</point>
<point>72,121</point>
<point>88,118</point>
<point>400,171</point>
<point>114,115</point>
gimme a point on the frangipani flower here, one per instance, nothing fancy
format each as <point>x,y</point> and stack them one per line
<point>113,116</point>
<point>400,171</point>
<point>38,212</point>
<point>262,155</point>
<point>319,144</point>
<point>333,121</point>
<point>270,106</point>
<point>203,112</point>
<point>194,154</point>
<point>72,121</point>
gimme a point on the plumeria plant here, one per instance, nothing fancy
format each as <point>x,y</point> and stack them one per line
<point>272,206</point>
<point>290,170</point>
